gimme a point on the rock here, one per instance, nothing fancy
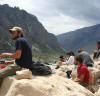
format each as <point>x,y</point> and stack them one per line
<point>97,65</point>
<point>62,70</point>
<point>97,93</point>
<point>96,73</point>
<point>53,85</point>
<point>74,73</point>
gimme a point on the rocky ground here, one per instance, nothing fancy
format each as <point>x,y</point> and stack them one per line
<point>54,85</point>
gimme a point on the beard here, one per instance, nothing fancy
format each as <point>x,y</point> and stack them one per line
<point>15,37</point>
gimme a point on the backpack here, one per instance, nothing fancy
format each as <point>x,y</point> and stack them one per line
<point>40,69</point>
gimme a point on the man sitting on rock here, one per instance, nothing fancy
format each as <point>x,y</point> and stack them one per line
<point>70,59</point>
<point>86,58</point>
<point>22,55</point>
<point>83,74</point>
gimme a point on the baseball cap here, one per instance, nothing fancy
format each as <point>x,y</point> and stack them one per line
<point>14,29</point>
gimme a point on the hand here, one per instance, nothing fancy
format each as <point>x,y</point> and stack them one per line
<point>6,63</point>
<point>23,68</point>
<point>94,51</point>
<point>9,62</point>
<point>76,79</point>
<point>59,63</point>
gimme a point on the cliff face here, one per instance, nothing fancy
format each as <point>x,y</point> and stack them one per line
<point>34,31</point>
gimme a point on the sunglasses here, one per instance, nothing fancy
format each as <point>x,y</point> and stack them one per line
<point>14,32</point>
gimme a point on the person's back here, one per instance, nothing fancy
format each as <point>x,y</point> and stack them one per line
<point>86,58</point>
<point>26,58</point>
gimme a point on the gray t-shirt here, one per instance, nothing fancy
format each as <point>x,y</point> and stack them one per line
<point>86,58</point>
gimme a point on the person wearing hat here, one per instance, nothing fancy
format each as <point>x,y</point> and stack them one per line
<point>86,57</point>
<point>22,55</point>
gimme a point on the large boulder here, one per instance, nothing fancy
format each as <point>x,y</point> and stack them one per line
<point>97,93</point>
<point>97,65</point>
<point>61,71</point>
<point>96,74</point>
<point>42,86</point>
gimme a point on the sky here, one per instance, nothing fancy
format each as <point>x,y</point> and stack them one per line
<point>60,16</point>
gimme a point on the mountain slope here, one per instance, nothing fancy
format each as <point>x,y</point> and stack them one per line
<point>82,38</point>
<point>34,32</point>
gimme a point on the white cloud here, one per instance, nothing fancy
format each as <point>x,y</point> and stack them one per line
<point>61,24</point>
<point>54,15</point>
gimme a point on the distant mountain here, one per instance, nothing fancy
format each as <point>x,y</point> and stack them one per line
<point>35,33</point>
<point>82,38</point>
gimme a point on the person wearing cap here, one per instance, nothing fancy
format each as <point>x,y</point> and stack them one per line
<point>97,52</point>
<point>22,55</point>
<point>86,57</point>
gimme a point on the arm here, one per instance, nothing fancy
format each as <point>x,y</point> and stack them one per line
<point>59,63</point>
<point>98,50</point>
<point>94,51</point>
<point>18,52</point>
<point>16,55</point>
<point>81,79</point>
<point>9,62</point>
<point>82,76</point>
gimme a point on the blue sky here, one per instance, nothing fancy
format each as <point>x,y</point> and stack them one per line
<point>60,16</point>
